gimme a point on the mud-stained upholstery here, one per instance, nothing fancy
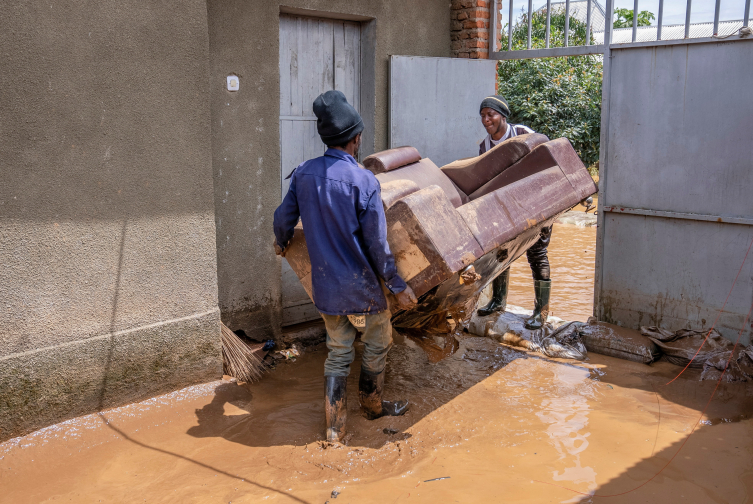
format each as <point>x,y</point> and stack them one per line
<point>557,152</point>
<point>391,159</point>
<point>471,173</point>
<point>501,215</point>
<point>429,239</point>
<point>396,190</point>
<point>424,173</point>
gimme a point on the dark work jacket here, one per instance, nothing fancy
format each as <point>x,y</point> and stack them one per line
<point>340,206</point>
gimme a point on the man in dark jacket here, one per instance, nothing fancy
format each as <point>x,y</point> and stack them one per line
<point>494,113</point>
<point>340,206</point>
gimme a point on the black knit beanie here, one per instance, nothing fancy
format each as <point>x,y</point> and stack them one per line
<point>336,120</point>
<point>497,103</point>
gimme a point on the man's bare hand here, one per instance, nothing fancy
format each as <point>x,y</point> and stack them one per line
<point>406,299</point>
<point>279,251</point>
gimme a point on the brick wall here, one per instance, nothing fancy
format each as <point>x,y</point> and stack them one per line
<point>469,33</point>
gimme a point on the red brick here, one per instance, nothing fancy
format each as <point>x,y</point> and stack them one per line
<point>467,25</point>
<point>461,16</point>
<point>456,25</point>
<point>478,14</point>
<point>476,44</point>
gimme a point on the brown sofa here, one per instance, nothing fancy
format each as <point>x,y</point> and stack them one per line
<point>452,230</point>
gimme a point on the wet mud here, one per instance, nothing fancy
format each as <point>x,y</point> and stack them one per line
<point>487,424</point>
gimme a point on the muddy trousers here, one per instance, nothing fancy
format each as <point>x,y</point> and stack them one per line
<point>537,256</point>
<point>376,337</point>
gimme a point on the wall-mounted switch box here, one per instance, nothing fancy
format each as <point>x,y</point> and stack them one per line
<point>233,83</point>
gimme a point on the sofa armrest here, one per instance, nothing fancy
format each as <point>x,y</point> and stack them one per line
<point>429,239</point>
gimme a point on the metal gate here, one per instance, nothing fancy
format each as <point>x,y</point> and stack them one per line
<point>316,55</point>
<point>676,173</point>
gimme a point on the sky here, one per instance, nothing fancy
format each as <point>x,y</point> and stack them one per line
<point>702,11</point>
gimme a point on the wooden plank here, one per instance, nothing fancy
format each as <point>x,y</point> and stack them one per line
<point>295,69</point>
<point>286,35</point>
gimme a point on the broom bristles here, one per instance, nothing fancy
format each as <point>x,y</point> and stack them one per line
<point>239,361</point>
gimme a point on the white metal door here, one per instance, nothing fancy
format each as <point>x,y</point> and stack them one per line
<point>316,55</point>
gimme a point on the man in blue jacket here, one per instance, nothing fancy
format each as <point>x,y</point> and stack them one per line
<point>340,206</point>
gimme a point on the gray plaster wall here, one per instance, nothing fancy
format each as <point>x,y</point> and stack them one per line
<point>108,287</point>
<point>244,40</point>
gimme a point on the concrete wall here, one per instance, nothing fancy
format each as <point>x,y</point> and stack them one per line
<point>675,201</point>
<point>244,40</point>
<point>108,288</point>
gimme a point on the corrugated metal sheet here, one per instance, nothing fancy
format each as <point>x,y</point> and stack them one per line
<point>579,10</point>
<point>670,32</point>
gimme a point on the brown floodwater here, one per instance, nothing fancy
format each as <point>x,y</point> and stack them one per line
<point>487,424</point>
<point>572,254</point>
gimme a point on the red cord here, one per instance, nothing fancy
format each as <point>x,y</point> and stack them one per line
<point>747,317</point>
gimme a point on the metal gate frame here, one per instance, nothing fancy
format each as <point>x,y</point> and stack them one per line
<point>606,50</point>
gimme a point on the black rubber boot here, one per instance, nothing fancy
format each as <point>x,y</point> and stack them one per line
<point>541,289</point>
<point>370,387</point>
<point>335,406</point>
<point>498,302</point>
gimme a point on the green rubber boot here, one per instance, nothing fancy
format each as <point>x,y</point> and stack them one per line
<point>541,289</point>
<point>498,302</point>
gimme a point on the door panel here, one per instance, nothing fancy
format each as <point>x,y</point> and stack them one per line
<point>316,55</point>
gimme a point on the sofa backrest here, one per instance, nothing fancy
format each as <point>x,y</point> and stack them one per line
<point>471,173</point>
<point>558,152</point>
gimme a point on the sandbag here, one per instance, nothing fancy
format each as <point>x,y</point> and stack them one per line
<point>680,346</point>
<point>615,341</point>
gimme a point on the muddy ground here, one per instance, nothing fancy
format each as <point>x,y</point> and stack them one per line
<point>487,424</point>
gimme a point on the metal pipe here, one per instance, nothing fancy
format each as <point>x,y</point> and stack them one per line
<point>493,26</point>
<point>635,19</point>
<point>687,19</point>
<point>716,16</point>
<point>588,22</point>
<point>661,17</point>
<point>530,10</point>
<point>549,19</point>
<point>746,17</point>
<point>509,29</point>
<point>567,22</point>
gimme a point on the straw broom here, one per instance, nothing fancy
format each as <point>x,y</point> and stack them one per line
<point>238,360</point>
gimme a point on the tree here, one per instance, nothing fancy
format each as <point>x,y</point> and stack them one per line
<point>625,18</point>
<point>559,97</point>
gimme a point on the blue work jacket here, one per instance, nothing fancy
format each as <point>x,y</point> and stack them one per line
<point>340,206</point>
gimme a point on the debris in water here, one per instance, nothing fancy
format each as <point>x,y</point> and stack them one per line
<point>437,479</point>
<point>508,327</point>
<point>334,494</point>
<point>389,431</point>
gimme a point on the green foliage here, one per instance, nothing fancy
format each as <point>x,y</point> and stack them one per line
<point>559,97</point>
<point>625,18</point>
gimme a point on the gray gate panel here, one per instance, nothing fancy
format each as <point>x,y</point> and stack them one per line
<point>675,273</point>
<point>678,158</point>
<point>680,136</point>
<point>434,105</point>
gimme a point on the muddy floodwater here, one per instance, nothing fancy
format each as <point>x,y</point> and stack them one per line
<point>488,424</point>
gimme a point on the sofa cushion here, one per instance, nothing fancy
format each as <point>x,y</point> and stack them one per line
<point>424,173</point>
<point>557,152</point>
<point>471,173</point>
<point>506,213</point>
<point>391,159</point>
<point>395,190</point>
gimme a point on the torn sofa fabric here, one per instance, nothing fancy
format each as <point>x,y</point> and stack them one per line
<point>340,206</point>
